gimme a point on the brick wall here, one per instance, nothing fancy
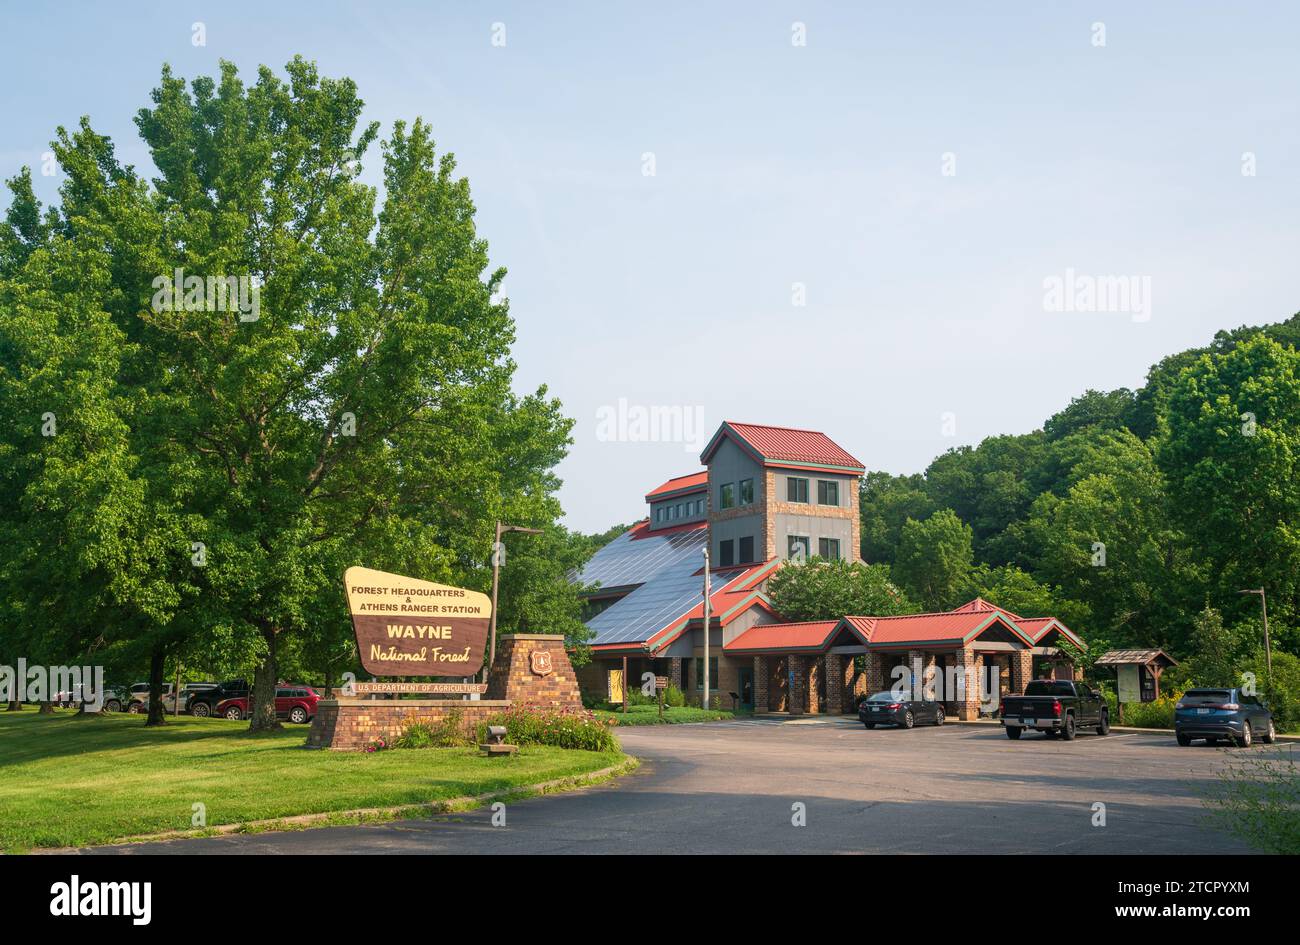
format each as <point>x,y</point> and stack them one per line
<point>798,684</point>
<point>512,677</point>
<point>349,724</point>
<point>761,672</point>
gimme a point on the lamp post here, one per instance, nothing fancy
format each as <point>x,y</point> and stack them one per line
<point>1268,648</point>
<point>705,703</point>
<point>498,553</point>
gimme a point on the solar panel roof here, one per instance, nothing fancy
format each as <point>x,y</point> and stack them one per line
<point>670,594</point>
<point>634,560</point>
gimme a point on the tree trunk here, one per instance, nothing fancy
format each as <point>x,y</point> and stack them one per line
<point>47,708</point>
<point>156,714</point>
<point>14,706</point>
<point>262,717</point>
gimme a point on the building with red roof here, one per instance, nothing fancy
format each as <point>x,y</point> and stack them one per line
<point>768,495</point>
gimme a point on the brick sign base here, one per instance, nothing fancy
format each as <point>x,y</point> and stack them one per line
<point>534,669</point>
<point>350,724</point>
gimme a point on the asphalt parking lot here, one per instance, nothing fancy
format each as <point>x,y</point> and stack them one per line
<point>733,787</point>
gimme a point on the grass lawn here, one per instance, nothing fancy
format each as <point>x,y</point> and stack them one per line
<point>69,781</point>
<point>649,715</point>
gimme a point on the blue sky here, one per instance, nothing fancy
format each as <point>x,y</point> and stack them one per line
<point>923,325</point>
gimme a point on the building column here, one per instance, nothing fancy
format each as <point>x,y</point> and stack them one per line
<point>969,664</point>
<point>875,673</point>
<point>798,684</point>
<point>761,674</point>
<point>675,671</point>
<point>834,670</point>
<point>1022,669</point>
<point>915,667</point>
<point>815,667</point>
<point>853,683</point>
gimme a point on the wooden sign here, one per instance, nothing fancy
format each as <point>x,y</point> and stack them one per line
<point>408,627</point>
<point>439,688</point>
<point>661,682</point>
<point>539,661</point>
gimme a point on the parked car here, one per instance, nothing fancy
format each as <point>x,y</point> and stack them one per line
<point>138,697</point>
<point>295,703</point>
<point>884,708</point>
<point>115,699</point>
<point>1230,714</point>
<point>1055,707</point>
<point>204,702</point>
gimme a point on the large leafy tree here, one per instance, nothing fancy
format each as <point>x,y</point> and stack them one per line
<point>935,559</point>
<point>1108,543</point>
<point>362,413</point>
<point>1230,453</point>
<point>828,590</point>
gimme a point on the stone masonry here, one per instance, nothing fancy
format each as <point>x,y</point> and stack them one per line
<point>513,677</point>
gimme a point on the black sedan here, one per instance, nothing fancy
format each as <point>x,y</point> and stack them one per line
<point>884,708</point>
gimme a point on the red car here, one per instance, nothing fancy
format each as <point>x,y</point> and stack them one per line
<point>295,703</point>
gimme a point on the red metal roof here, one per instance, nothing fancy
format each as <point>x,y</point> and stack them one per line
<point>956,625</point>
<point>642,529</point>
<point>784,637</point>
<point>784,446</point>
<point>980,605</point>
<point>694,482</point>
<point>1039,627</point>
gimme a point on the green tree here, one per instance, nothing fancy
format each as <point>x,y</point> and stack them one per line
<point>1108,544</point>
<point>885,503</point>
<point>935,559</point>
<point>1230,454</point>
<point>828,590</point>
<point>360,412</point>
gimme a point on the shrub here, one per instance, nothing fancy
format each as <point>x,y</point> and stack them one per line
<point>1258,799</point>
<point>1156,714</point>
<point>559,728</point>
<point>674,697</point>
<point>449,732</point>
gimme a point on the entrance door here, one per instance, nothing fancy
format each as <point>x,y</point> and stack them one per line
<point>745,682</point>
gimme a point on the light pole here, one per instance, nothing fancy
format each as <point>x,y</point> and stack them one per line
<point>705,703</point>
<point>1268,648</point>
<point>498,553</point>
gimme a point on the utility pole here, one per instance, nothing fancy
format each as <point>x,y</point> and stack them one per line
<point>498,558</point>
<point>1268,647</point>
<point>705,703</point>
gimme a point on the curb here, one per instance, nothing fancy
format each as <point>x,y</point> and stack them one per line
<point>445,806</point>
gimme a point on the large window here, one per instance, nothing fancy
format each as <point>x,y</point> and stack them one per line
<point>796,489</point>
<point>829,548</point>
<point>727,495</point>
<point>747,492</point>
<point>747,549</point>
<point>828,492</point>
<point>798,547</point>
<point>726,553</point>
<point>699,672</point>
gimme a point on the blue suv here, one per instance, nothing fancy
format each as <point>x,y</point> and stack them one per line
<point>1212,714</point>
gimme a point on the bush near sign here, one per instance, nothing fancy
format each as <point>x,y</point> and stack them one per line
<point>408,627</point>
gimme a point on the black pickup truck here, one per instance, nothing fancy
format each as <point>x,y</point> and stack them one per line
<point>1055,706</point>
